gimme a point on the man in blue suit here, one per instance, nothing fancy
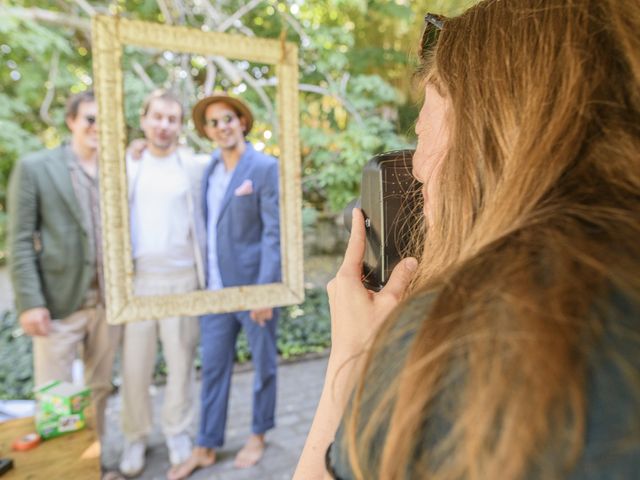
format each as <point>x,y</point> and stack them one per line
<point>240,200</point>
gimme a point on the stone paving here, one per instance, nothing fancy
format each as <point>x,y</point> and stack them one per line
<point>299,388</point>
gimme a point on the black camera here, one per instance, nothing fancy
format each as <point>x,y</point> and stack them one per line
<point>391,201</point>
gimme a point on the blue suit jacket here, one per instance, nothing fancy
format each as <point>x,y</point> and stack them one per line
<point>248,226</point>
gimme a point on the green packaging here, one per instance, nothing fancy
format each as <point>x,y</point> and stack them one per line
<point>60,408</point>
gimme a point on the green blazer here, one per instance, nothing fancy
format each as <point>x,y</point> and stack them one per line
<point>48,244</point>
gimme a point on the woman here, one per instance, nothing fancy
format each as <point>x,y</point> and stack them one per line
<point>513,350</point>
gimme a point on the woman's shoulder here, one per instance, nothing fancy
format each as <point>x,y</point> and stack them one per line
<point>385,366</point>
<point>403,326</point>
<point>409,316</point>
<point>612,437</point>
<point>417,304</point>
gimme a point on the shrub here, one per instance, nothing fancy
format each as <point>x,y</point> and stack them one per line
<point>16,363</point>
<point>302,329</point>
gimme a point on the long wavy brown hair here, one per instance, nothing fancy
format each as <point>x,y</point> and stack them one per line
<point>535,229</point>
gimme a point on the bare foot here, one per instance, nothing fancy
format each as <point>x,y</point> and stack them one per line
<point>200,457</point>
<point>251,453</point>
<point>112,476</point>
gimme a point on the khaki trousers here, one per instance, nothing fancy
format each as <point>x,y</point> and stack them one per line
<point>179,337</point>
<point>54,354</point>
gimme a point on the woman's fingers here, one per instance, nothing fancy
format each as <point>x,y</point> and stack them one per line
<point>351,268</point>
<point>401,277</point>
<point>353,257</point>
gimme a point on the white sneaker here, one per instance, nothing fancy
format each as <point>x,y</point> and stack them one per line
<point>179,448</point>
<point>132,460</point>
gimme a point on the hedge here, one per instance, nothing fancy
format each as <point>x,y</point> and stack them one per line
<point>302,329</point>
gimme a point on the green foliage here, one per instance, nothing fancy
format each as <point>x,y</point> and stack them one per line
<point>302,329</point>
<point>309,218</point>
<point>29,53</point>
<point>356,59</point>
<point>16,365</point>
<point>334,166</point>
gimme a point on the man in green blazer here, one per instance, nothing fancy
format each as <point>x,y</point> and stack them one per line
<point>55,257</point>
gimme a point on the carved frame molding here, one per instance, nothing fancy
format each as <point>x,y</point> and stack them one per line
<point>109,35</point>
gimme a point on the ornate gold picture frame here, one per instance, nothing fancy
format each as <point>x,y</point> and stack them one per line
<point>110,34</point>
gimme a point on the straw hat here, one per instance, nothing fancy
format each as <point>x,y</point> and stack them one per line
<point>239,106</point>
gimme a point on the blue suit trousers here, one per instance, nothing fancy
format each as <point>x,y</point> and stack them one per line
<point>218,334</point>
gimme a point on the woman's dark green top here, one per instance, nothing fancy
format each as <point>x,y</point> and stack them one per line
<point>612,444</point>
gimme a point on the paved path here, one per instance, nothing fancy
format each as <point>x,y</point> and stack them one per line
<point>299,388</point>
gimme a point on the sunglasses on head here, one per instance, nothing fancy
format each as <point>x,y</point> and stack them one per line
<point>433,24</point>
<point>90,119</point>
<point>215,122</point>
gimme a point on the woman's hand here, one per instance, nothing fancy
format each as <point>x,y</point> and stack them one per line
<point>357,313</point>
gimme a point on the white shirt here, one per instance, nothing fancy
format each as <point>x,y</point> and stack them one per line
<point>159,212</point>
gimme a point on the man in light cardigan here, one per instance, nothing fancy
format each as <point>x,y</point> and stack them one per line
<point>164,200</point>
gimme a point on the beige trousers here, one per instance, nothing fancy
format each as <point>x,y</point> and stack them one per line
<point>54,354</point>
<point>179,337</point>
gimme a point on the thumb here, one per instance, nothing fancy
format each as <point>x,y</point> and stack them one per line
<point>401,276</point>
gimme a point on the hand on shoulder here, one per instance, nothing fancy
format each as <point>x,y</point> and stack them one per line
<point>136,148</point>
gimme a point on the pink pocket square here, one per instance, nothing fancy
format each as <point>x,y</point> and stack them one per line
<point>245,188</point>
